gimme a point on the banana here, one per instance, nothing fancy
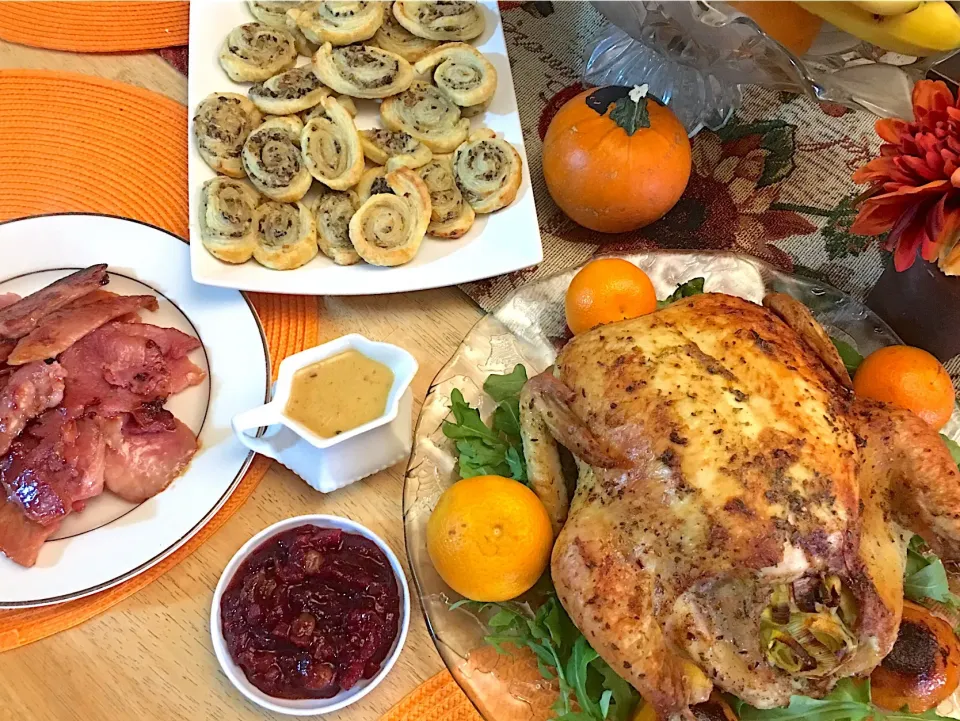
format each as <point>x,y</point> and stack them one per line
<point>887,7</point>
<point>931,28</point>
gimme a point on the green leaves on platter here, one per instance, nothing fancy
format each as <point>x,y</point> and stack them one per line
<point>495,449</point>
<point>589,689</point>
<point>694,286</point>
<point>849,355</point>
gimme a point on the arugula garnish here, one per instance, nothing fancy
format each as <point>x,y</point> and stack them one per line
<point>495,449</point>
<point>589,689</point>
<point>849,355</point>
<point>849,701</point>
<point>925,577</point>
<point>953,447</point>
<point>694,286</point>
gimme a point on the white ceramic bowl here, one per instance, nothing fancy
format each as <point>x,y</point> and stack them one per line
<point>306,707</point>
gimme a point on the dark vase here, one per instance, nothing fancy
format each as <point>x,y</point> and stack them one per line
<point>922,305</point>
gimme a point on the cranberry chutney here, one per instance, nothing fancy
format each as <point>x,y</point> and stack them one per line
<point>311,612</point>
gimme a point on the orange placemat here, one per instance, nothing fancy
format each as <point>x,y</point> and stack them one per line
<point>95,27</point>
<point>75,143</point>
<point>436,699</point>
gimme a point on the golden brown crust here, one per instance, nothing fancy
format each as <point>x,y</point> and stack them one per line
<point>253,52</point>
<point>462,72</point>
<point>389,227</point>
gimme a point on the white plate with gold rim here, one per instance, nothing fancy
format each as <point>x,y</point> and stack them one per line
<point>112,540</point>
<point>498,243</point>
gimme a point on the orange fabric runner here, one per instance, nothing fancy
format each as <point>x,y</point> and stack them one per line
<point>75,143</point>
<point>95,27</point>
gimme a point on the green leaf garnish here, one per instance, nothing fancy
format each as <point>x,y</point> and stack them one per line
<point>925,578</point>
<point>849,355</point>
<point>953,447</point>
<point>495,449</point>
<point>694,286</point>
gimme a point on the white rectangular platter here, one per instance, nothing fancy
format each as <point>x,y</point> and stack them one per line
<point>504,241</point>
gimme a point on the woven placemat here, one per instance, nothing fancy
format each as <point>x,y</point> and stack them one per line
<point>95,27</point>
<point>75,143</point>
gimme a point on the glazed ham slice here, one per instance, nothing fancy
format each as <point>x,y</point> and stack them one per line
<point>60,330</point>
<point>19,318</point>
<point>55,465</point>
<point>21,538</point>
<point>121,366</point>
<point>144,455</point>
<point>26,393</point>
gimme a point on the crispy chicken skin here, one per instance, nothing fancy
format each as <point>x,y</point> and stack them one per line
<point>723,467</point>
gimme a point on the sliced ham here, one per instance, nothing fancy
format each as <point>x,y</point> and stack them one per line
<point>121,366</point>
<point>21,538</point>
<point>8,299</point>
<point>140,462</point>
<point>26,393</point>
<point>56,463</point>
<point>6,348</point>
<point>19,318</point>
<point>62,329</point>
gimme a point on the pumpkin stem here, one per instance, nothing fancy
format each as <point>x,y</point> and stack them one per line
<point>630,111</point>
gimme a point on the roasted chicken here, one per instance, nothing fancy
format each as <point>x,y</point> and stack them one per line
<point>739,519</point>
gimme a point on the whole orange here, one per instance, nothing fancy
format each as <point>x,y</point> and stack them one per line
<point>909,378</point>
<point>608,173</point>
<point>605,291</point>
<point>489,538</point>
<point>789,24</point>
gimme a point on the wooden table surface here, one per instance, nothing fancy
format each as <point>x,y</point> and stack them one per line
<point>150,657</point>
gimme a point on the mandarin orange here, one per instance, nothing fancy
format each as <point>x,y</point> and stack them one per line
<point>909,378</point>
<point>605,291</point>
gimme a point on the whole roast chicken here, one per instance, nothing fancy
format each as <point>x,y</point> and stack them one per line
<point>740,519</point>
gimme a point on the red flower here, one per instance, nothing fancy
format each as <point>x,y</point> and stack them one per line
<point>915,183</point>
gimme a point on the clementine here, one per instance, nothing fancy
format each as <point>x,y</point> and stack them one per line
<point>909,378</point>
<point>605,291</point>
<point>489,538</point>
<point>786,22</point>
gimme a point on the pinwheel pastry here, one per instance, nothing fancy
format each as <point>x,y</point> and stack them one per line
<point>428,114</point>
<point>255,51</point>
<point>338,23</point>
<point>472,111</point>
<point>488,171</point>
<point>286,236</point>
<point>451,216</point>
<point>271,157</point>
<point>372,182</point>
<point>461,72</point>
<point>289,92</point>
<point>389,227</point>
<point>221,125</point>
<point>346,102</point>
<point>274,14</point>
<point>362,71</point>
<point>440,20</point>
<point>332,213</point>
<point>382,145</point>
<point>330,146</point>
<point>227,209</point>
<point>395,38</point>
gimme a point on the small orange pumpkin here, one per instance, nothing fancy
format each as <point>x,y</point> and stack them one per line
<point>615,159</point>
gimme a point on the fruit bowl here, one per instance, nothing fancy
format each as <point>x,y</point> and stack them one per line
<point>696,55</point>
<point>529,328</point>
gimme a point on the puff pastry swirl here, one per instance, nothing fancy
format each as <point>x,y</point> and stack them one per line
<point>461,71</point>
<point>395,38</point>
<point>274,14</point>
<point>379,146</point>
<point>362,71</point>
<point>271,157</point>
<point>332,213</point>
<point>330,146</point>
<point>292,91</point>
<point>221,125</point>
<point>255,51</point>
<point>428,114</point>
<point>227,209</point>
<point>388,228</point>
<point>451,216</point>
<point>440,20</point>
<point>338,23</point>
<point>372,182</point>
<point>488,171</point>
<point>286,236</point>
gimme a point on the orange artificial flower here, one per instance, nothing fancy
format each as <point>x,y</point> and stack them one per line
<point>914,190</point>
